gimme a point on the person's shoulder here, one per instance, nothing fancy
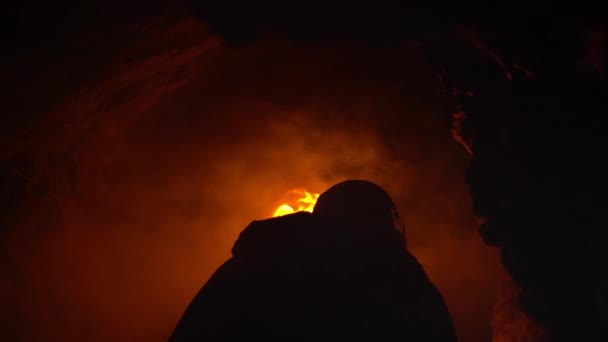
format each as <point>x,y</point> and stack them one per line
<point>276,233</point>
<point>279,225</point>
<point>295,218</point>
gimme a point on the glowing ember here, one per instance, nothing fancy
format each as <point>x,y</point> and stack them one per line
<point>302,201</point>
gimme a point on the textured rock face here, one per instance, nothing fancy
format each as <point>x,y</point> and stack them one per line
<point>509,322</point>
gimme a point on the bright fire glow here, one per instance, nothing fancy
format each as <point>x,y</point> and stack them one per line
<point>302,201</point>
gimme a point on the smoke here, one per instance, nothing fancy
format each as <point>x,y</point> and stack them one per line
<point>140,180</point>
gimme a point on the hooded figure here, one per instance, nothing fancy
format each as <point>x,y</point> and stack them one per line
<point>341,273</point>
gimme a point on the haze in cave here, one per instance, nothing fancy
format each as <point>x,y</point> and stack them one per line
<point>139,150</point>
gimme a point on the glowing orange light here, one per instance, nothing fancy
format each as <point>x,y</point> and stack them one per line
<point>303,201</point>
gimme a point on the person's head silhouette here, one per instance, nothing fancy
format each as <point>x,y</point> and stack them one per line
<point>360,203</point>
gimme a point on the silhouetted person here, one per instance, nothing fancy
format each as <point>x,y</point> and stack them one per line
<point>341,273</point>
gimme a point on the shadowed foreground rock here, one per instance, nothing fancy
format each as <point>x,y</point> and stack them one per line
<point>538,180</point>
